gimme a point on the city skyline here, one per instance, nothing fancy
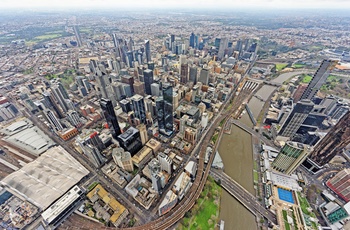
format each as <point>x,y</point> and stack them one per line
<point>175,4</point>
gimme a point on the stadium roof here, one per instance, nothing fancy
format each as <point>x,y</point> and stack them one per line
<point>47,178</point>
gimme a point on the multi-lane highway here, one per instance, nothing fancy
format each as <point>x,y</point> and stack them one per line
<point>243,196</point>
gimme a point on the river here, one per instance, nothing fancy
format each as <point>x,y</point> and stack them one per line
<point>236,153</point>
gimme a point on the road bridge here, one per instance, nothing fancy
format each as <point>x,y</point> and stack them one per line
<point>243,196</point>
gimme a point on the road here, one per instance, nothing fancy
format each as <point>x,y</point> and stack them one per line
<point>106,183</point>
<point>243,196</point>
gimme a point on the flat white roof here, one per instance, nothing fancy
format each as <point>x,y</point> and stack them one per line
<point>47,178</point>
<point>28,137</point>
<point>63,203</point>
<point>285,181</point>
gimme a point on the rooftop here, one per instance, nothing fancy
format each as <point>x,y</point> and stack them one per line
<point>28,137</point>
<point>47,178</point>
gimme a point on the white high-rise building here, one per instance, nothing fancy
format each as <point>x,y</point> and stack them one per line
<point>165,162</point>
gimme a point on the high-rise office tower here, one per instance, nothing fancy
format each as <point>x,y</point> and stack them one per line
<point>56,124</point>
<point>148,80</point>
<point>318,79</point>
<point>74,118</point>
<point>129,80</point>
<point>139,88</point>
<point>193,75</point>
<point>155,89</point>
<point>61,95</point>
<point>290,157</point>
<point>138,105</point>
<point>184,73</point>
<point>217,42</point>
<point>239,47</point>
<point>50,103</point>
<point>143,133</point>
<point>204,76</point>
<point>93,154</point>
<point>109,114</point>
<point>148,51</point>
<point>246,44</point>
<point>192,40</point>
<point>165,162</point>
<point>126,105</point>
<point>130,57</point>
<point>130,140</point>
<point>154,168</point>
<point>222,47</point>
<point>333,143</point>
<point>340,184</point>
<point>123,159</point>
<point>164,106</point>
<point>296,118</point>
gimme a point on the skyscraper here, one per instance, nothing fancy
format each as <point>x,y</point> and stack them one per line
<point>143,133</point>
<point>148,79</point>
<point>296,118</point>
<point>148,51</point>
<point>340,184</point>
<point>56,124</point>
<point>164,106</point>
<point>204,76</point>
<point>193,75</point>
<point>138,105</point>
<point>192,40</point>
<point>333,143</point>
<point>290,157</point>
<point>109,114</point>
<point>184,73</point>
<point>130,140</point>
<point>165,162</point>
<point>74,118</point>
<point>123,159</point>
<point>61,95</point>
<point>222,47</point>
<point>93,154</point>
<point>318,79</point>
<point>50,102</point>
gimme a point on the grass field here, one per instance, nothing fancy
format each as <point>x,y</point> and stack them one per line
<point>205,213</point>
<point>306,79</point>
<point>297,66</point>
<point>286,224</point>
<point>281,66</point>
<point>215,137</point>
<point>256,176</point>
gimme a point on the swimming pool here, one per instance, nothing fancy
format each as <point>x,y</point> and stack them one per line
<point>285,195</point>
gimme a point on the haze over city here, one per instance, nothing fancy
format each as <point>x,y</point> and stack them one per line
<point>159,115</point>
<point>176,4</point>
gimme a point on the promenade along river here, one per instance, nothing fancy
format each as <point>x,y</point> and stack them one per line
<point>236,153</point>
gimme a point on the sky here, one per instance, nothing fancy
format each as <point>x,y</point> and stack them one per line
<point>191,4</point>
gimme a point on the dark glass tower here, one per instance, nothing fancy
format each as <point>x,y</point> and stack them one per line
<point>333,143</point>
<point>148,79</point>
<point>109,114</point>
<point>164,106</point>
<point>148,51</point>
<point>138,105</point>
<point>192,40</point>
<point>318,79</point>
<point>296,118</point>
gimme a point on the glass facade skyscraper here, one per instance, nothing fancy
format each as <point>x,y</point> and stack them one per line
<point>109,114</point>
<point>164,106</point>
